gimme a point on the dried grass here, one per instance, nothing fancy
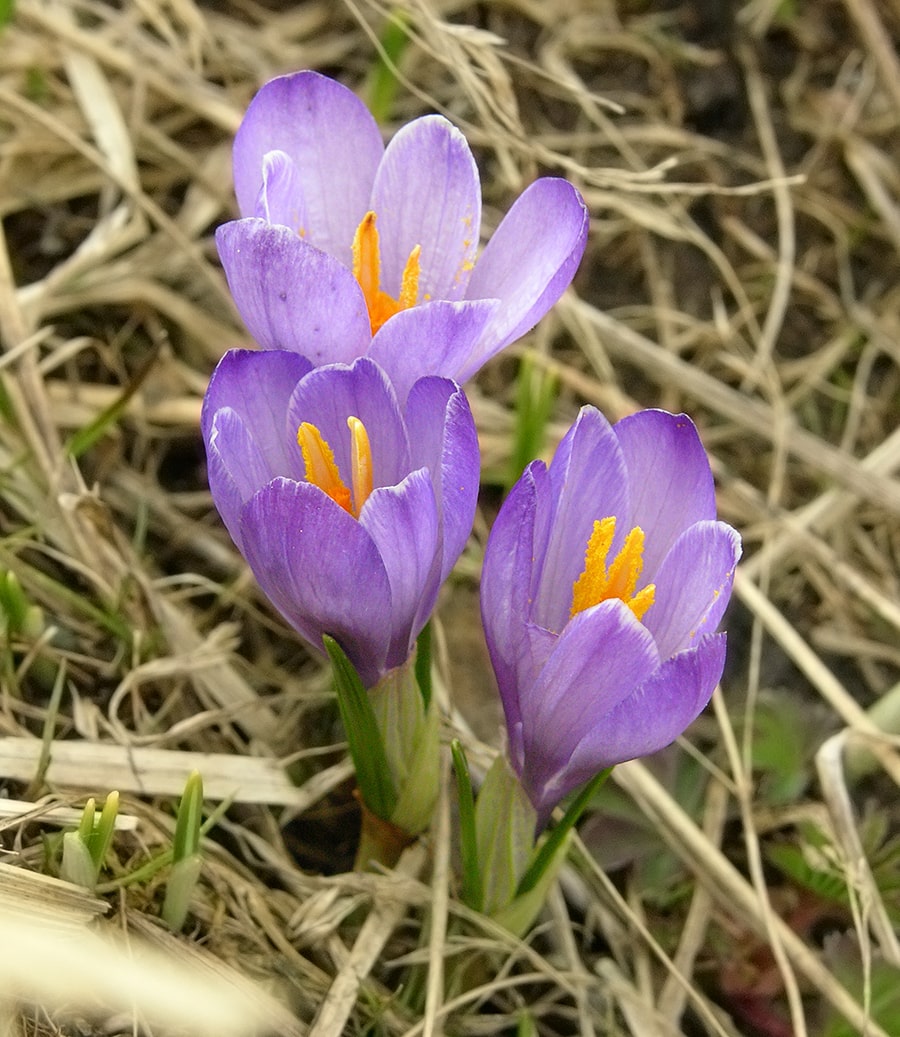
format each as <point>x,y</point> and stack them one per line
<point>740,165</point>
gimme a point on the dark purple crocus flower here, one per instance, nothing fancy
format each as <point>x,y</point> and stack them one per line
<point>605,577</point>
<point>334,223</point>
<point>350,509</point>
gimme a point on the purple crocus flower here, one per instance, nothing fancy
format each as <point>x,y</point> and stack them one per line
<point>335,223</point>
<point>605,577</point>
<point>349,509</point>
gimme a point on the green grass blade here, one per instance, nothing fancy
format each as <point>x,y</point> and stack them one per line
<point>85,438</point>
<point>190,817</point>
<point>423,664</point>
<point>373,774</point>
<point>535,397</point>
<point>381,83</point>
<point>545,854</point>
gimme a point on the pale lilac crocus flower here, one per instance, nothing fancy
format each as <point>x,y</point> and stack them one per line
<point>348,248</point>
<point>605,577</point>
<point>349,508</point>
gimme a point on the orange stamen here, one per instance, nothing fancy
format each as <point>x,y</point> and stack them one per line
<point>601,583</point>
<point>360,463</point>
<point>322,469</point>
<point>367,271</point>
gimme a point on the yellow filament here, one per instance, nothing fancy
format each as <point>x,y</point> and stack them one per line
<point>322,469</point>
<point>367,271</point>
<point>600,582</point>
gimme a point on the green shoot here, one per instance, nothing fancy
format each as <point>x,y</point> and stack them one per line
<point>17,616</point>
<point>85,849</point>
<point>187,858</point>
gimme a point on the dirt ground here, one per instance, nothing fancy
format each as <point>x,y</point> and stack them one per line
<point>740,164</point>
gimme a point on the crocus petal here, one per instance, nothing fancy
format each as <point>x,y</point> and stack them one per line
<point>403,522</point>
<point>427,193</point>
<point>327,396</point>
<point>448,448</point>
<point>236,468</point>
<point>321,569</point>
<point>506,587</point>
<point>291,295</point>
<point>433,339</point>
<point>693,586</point>
<point>597,662</point>
<point>257,386</point>
<point>655,713</point>
<point>588,481</point>
<point>529,261</point>
<point>672,485</point>
<point>281,196</point>
<point>334,143</point>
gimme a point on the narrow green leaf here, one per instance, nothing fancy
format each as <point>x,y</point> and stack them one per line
<point>472,891</point>
<point>423,664</point>
<point>86,824</point>
<point>179,890</point>
<point>418,791</point>
<point>519,914</point>
<point>96,429</point>
<point>72,598</point>
<point>527,1026</point>
<point>76,865</point>
<point>546,852</point>
<point>505,823</point>
<point>190,817</point>
<point>13,602</point>
<point>381,83</point>
<point>366,745</point>
<point>146,871</point>
<point>98,842</point>
<point>535,396</point>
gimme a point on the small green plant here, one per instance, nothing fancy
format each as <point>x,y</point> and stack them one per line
<point>506,871</point>
<point>18,618</point>
<point>85,849</point>
<point>187,857</point>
